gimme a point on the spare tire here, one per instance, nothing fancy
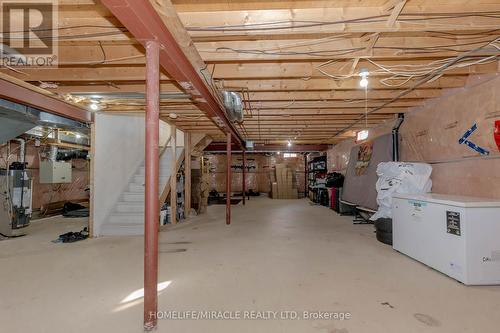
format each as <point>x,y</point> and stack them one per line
<point>384,237</point>
<point>383,224</point>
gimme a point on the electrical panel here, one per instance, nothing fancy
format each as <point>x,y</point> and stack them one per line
<point>55,172</point>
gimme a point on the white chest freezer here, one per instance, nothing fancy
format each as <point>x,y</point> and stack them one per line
<point>458,236</point>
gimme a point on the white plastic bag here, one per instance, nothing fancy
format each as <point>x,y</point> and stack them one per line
<point>399,177</point>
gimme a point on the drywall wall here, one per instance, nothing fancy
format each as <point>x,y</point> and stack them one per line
<point>119,150</point>
<point>430,134</point>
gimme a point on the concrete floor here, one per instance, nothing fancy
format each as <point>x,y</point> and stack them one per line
<point>278,255</point>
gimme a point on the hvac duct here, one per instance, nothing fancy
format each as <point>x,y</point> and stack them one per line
<point>233,105</point>
<point>22,149</point>
<point>53,153</point>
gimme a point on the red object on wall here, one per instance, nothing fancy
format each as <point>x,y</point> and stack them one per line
<point>496,134</point>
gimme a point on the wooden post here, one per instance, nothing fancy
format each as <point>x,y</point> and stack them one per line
<point>243,185</point>
<point>228,180</point>
<point>152,204</point>
<point>173,176</point>
<point>187,173</point>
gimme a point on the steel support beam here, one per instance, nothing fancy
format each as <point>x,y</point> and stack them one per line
<point>228,180</point>
<point>152,204</point>
<point>25,96</point>
<point>306,176</point>
<point>187,174</point>
<point>260,148</point>
<point>144,23</point>
<point>243,185</point>
<point>173,175</point>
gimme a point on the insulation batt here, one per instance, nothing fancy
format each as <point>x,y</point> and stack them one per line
<point>400,177</point>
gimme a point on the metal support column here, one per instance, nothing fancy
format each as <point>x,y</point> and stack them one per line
<point>173,175</point>
<point>306,176</point>
<point>187,174</point>
<point>152,204</point>
<point>243,185</point>
<point>228,180</point>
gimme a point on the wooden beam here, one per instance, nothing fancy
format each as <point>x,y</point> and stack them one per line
<point>397,7</point>
<point>21,92</point>
<point>187,173</point>
<point>146,21</point>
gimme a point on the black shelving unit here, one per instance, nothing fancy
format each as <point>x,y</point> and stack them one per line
<point>317,169</point>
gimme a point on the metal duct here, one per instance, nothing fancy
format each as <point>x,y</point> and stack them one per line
<point>233,105</point>
<point>16,119</point>
<point>70,154</point>
<point>53,153</point>
<point>22,147</point>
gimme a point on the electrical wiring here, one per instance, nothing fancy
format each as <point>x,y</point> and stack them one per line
<point>404,73</point>
<point>69,37</point>
<point>292,24</point>
<point>104,61</point>
<point>309,43</point>
<point>295,24</point>
<point>432,75</point>
<point>320,53</point>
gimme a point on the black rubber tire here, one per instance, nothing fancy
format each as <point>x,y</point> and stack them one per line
<point>384,224</point>
<point>384,237</point>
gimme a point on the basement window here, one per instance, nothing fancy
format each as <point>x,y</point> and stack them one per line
<point>289,155</point>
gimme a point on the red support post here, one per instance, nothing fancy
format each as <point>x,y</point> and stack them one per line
<point>152,204</point>
<point>306,176</point>
<point>228,180</point>
<point>243,185</point>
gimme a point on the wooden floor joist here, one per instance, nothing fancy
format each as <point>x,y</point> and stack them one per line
<point>303,55</point>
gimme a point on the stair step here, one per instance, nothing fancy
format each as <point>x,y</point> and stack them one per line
<point>133,196</point>
<point>163,170</point>
<point>133,187</point>
<point>139,179</point>
<point>118,229</point>
<point>126,219</point>
<point>130,207</point>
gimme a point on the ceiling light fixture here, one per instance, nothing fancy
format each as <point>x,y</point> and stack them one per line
<point>289,144</point>
<point>94,105</point>
<point>362,135</point>
<point>364,77</point>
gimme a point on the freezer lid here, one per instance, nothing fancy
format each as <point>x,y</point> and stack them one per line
<point>450,200</point>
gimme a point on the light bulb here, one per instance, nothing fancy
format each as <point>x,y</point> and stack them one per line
<point>363,82</point>
<point>289,144</point>
<point>94,107</point>
<point>362,135</point>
